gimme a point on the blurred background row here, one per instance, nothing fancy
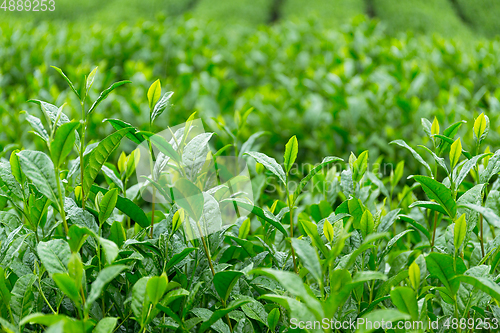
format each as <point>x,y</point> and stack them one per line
<point>464,18</point>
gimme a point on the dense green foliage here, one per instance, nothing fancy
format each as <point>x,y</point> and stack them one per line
<point>108,227</point>
<point>82,253</point>
<point>351,90</point>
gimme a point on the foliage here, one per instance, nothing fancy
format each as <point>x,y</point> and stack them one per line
<point>81,253</point>
<point>351,90</point>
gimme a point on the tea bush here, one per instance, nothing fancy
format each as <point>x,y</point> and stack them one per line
<point>81,250</point>
<point>350,90</point>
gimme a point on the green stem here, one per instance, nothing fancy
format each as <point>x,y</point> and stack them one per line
<point>82,149</point>
<point>434,227</point>
<point>227,317</point>
<point>206,249</point>
<point>61,202</point>
<point>153,213</point>
<point>290,207</point>
<point>482,234</point>
<point>43,295</point>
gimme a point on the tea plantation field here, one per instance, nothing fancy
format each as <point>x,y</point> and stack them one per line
<point>457,18</point>
<point>224,168</point>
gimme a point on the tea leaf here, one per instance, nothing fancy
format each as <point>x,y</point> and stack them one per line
<point>38,167</point>
<point>414,275</point>
<point>481,127</point>
<point>70,84</point>
<point>309,258</point>
<point>459,232</point>
<point>154,94</point>
<point>405,301</point>
<point>291,151</point>
<point>54,255</point>
<point>455,152</point>
<point>63,142</point>
<point>224,282</point>
<point>105,276</point>
<point>161,106</point>
<point>107,204</point>
<point>104,94</point>
<point>270,164</point>
<point>156,287</point>
<point>438,192</point>
<point>94,161</point>
<point>106,325</point>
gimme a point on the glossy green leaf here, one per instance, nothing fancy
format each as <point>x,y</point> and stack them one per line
<point>309,258</point>
<point>117,234</point>
<point>133,135</point>
<point>94,161</point>
<point>156,287</point>
<point>106,325</point>
<point>291,151</point>
<point>366,224</point>
<point>460,231</point>
<point>68,81</point>
<point>63,141</point>
<point>104,94</point>
<point>38,167</point>
<point>154,94</point>
<point>224,282</point>
<point>54,255</point>
<point>105,276</point>
<point>127,207</point>
<point>107,204</point>
<point>438,192</point>
<point>270,164</point>
<point>160,106</point>
<point>442,266</point>
<point>67,285</point>
<point>273,318</point>
<point>405,300</point>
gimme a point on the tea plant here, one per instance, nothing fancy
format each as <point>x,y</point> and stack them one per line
<point>82,249</point>
<point>350,89</point>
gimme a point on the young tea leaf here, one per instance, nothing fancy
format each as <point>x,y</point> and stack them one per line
<point>414,275</point>
<point>67,80</point>
<point>156,287</point>
<point>459,232</point>
<point>105,94</point>
<point>291,151</point>
<point>160,106</point>
<point>63,141</point>
<point>107,204</point>
<point>481,127</point>
<point>154,93</point>
<point>455,152</point>
<point>94,161</point>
